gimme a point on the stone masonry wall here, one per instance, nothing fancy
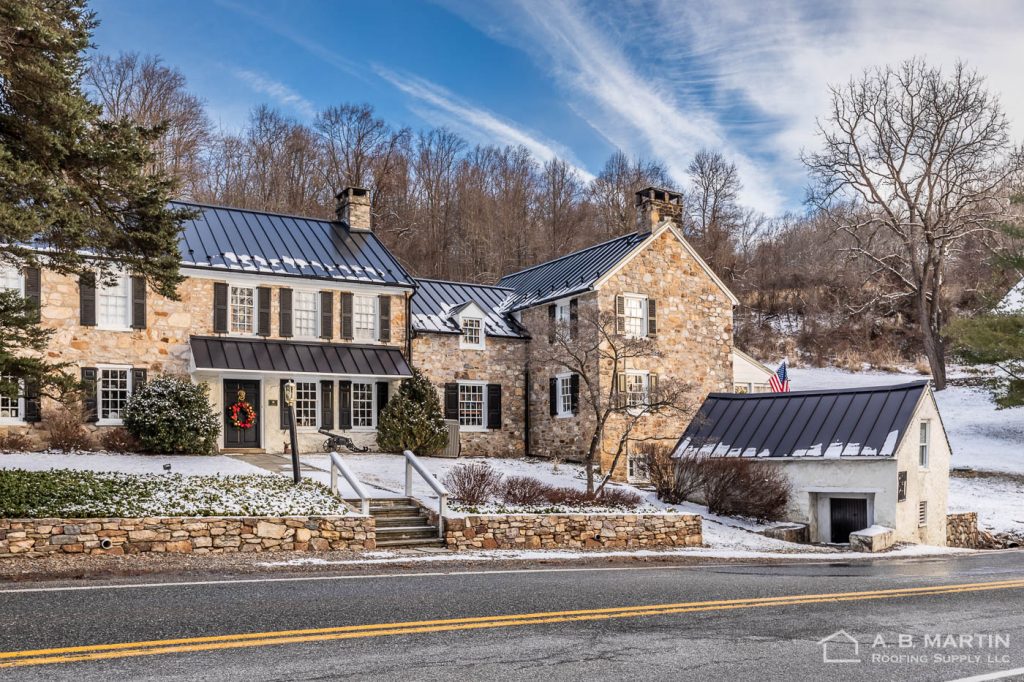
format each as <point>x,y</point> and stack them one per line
<point>32,538</point>
<point>962,530</point>
<point>502,361</point>
<point>573,531</point>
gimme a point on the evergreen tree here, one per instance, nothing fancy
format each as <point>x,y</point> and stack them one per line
<point>412,419</point>
<point>74,194</point>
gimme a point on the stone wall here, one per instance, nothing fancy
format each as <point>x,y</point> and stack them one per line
<point>32,538</point>
<point>573,531</point>
<point>502,361</point>
<point>962,530</point>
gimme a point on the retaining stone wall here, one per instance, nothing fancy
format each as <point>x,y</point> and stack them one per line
<point>197,535</point>
<point>962,530</point>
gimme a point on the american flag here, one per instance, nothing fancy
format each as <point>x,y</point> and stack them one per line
<point>780,380</point>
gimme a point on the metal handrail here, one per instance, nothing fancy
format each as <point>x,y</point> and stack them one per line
<point>338,464</point>
<point>413,462</point>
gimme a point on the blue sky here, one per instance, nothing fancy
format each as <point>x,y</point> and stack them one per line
<point>571,78</point>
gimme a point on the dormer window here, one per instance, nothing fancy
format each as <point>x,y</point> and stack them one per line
<point>472,333</point>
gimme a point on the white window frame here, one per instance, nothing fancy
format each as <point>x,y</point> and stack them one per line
<point>19,275</point>
<point>922,513</point>
<point>483,406</point>
<point>125,281</point>
<point>563,393</point>
<point>18,403</point>
<point>466,343</point>
<point>924,444</point>
<point>563,313</point>
<point>127,369</point>
<point>316,404</point>
<point>373,405</point>
<point>644,308</point>
<point>632,460</point>
<point>296,294</point>
<point>359,334</point>
<point>646,378</point>
<point>253,315</point>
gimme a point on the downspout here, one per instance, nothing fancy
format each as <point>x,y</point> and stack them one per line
<point>408,328</point>
<point>526,419</point>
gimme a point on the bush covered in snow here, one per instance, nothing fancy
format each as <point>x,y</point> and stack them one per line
<point>412,419</point>
<point>171,415</point>
<point>86,494</point>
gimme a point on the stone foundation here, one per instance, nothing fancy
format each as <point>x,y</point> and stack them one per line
<point>962,530</point>
<point>573,531</point>
<point>32,538</point>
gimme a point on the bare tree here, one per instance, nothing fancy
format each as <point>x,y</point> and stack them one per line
<point>559,206</point>
<point>593,349</point>
<point>714,220</point>
<point>912,165</point>
<point>612,192</point>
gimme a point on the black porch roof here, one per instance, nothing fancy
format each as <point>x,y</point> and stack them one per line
<point>296,357</point>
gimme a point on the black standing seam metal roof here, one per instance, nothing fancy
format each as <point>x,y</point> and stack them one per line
<point>569,275</point>
<point>436,304</point>
<point>289,357</point>
<point>825,424</point>
<point>245,240</point>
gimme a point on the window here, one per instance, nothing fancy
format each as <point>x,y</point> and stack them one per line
<point>10,278</point>
<point>472,410</point>
<point>922,513</point>
<point>113,303</point>
<point>922,454</point>
<point>242,305</point>
<point>637,384</point>
<point>306,395</point>
<point>12,408</point>
<point>562,313</point>
<point>362,406</point>
<point>364,317</point>
<point>636,468</point>
<point>112,391</point>
<point>741,388</point>
<point>472,333</point>
<point>305,313</point>
<point>635,316</point>
<point>564,395</point>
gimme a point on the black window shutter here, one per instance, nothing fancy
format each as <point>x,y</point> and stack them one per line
<point>285,321</point>
<point>553,395</point>
<point>384,306</point>
<point>31,395</point>
<point>574,389</point>
<point>285,412</point>
<point>344,405</point>
<point>263,311</point>
<point>652,317</point>
<point>87,299</point>
<point>138,378</point>
<point>494,406</point>
<point>89,376</point>
<point>34,288</point>
<point>346,316</point>
<point>326,314</point>
<point>327,404</point>
<point>382,397</point>
<point>574,318</point>
<point>451,401</point>
<point>552,312</point>
<point>138,302</point>
<point>220,308</point>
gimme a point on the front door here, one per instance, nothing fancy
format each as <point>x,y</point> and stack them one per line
<point>242,424</point>
<point>848,515</point>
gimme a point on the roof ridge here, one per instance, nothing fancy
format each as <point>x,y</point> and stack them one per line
<point>204,204</point>
<point>573,253</point>
<point>823,391</point>
<point>462,284</point>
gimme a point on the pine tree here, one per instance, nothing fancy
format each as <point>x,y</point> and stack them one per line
<point>412,419</point>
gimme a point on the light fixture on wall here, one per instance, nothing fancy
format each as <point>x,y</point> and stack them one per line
<point>289,392</point>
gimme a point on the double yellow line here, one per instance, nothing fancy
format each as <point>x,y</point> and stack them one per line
<point>97,652</point>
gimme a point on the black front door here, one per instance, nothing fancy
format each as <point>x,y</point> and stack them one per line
<point>237,392</point>
<point>848,516</point>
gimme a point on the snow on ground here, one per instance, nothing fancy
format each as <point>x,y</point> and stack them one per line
<point>189,465</point>
<point>998,501</point>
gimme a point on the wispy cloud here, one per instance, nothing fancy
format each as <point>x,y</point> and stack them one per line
<point>277,91</point>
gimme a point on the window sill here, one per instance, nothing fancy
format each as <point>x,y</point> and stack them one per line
<point>567,415</point>
<point>111,328</point>
<point>12,421</point>
<point>363,429</point>
<point>110,422</point>
<point>473,429</point>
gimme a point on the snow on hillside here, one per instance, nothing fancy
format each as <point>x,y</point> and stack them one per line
<point>1013,302</point>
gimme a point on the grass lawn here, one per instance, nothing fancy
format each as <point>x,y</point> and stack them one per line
<point>86,494</point>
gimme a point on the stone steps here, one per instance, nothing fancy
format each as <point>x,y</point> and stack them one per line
<point>401,523</point>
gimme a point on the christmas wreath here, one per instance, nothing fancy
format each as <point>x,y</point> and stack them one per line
<point>243,415</point>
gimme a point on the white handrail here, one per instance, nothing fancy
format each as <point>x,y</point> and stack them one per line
<point>413,462</point>
<point>338,464</point>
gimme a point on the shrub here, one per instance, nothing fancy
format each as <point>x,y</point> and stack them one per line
<point>741,487</point>
<point>14,441</point>
<point>523,490</point>
<point>617,497</point>
<point>473,484</point>
<point>66,424</point>
<point>675,480</point>
<point>118,439</point>
<point>412,419</point>
<point>170,415</point>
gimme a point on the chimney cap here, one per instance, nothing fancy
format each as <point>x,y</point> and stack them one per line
<point>658,194</point>
<point>352,191</point>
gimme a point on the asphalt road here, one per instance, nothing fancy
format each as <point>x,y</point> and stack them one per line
<point>734,622</point>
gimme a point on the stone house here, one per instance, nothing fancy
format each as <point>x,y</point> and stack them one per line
<point>855,458</point>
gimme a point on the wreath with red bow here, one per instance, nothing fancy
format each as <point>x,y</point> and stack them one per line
<point>243,415</point>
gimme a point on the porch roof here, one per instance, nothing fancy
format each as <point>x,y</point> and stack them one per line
<point>227,354</point>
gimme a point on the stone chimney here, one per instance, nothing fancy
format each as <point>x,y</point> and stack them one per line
<point>354,208</point>
<point>654,205</point>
